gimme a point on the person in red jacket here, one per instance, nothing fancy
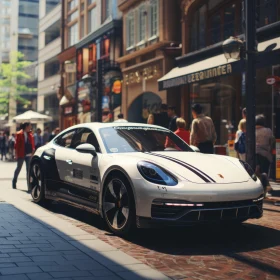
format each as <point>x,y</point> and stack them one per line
<point>24,148</point>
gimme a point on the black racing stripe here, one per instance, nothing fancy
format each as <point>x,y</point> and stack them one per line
<point>190,166</point>
<point>205,179</point>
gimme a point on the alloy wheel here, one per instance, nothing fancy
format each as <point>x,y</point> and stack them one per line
<point>35,181</point>
<point>116,204</point>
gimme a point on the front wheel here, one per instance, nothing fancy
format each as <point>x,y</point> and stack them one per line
<point>118,205</point>
<point>36,182</point>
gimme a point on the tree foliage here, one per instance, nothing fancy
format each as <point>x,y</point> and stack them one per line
<point>13,77</point>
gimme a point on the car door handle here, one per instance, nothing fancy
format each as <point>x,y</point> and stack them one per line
<point>69,161</point>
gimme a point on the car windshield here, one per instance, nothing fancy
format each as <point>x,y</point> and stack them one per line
<point>128,139</point>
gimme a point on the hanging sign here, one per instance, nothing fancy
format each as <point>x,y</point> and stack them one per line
<point>278,159</point>
<point>117,87</point>
<point>271,81</point>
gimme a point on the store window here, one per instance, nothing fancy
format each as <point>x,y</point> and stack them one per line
<point>219,99</point>
<point>105,48</point>
<point>130,32</point>
<point>73,35</point>
<point>153,19</point>
<point>92,20</point>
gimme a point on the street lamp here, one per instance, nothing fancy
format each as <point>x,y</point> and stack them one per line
<point>88,81</point>
<point>232,48</point>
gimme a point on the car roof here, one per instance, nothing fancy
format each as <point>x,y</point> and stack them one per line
<point>98,125</point>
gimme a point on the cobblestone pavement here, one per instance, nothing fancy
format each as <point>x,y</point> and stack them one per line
<point>250,251</point>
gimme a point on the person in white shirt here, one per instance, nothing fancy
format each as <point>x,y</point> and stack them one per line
<point>120,119</point>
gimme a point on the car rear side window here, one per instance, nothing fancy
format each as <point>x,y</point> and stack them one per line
<point>85,136</point>
<point>65,140</point>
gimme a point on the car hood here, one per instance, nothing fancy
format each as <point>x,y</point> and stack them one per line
<point>200,168</point>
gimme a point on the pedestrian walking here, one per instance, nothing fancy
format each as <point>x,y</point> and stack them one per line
<point>3,146</point>
<point>264,145</point>
<point>240,140</point>
<point>172,118</point>
<point>24,147</point>
<point>38,138</point>
<point>54,133</point>
<point>120,118</point>
<point>46,136</point>
<point>203,134</point>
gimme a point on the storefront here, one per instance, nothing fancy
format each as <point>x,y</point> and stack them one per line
<point>99,78</point>
<point>141,96</point>
<point>219,85</point>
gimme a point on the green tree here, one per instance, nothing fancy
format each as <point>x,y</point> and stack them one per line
<point>12,82</point>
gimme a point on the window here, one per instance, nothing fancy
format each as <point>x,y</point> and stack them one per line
<point>85,136</point>
<point>108,8</point>
<point>130,33</point>
<point>142,23</point>
<point>82,26</point>
<point>199,27</point>
<point>128,139</point>
<point>153,19</point>
<point>73,36</point>
<point>73,16</point>
<point>72,5</point>
<point>212,23</point>
<point>92,20</point>
<point>65,139</point>
<point>268,11</point>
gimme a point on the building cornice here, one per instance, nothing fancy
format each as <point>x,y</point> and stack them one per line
<point>124,5</point>
<point>146,50</point>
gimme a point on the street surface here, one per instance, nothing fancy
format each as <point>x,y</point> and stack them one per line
<point>251,251</point>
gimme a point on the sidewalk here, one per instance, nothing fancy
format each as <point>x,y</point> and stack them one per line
<point>36,244</point>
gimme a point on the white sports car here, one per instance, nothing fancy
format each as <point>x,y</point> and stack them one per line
<point>142,175</point>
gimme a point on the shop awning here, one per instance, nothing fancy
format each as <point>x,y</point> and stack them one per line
<point>218,66</point>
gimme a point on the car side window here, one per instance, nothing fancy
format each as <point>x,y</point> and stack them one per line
<point>85,136</point>
<point>65,140</point>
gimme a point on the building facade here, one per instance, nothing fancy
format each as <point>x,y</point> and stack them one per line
<point>5,34</point>
<point>48,65</point>
<point>92,39</point>
<point>205,76</point>
<point>151,41</point>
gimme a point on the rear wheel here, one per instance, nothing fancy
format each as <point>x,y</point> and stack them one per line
<point>118,205</point>
<point>36,182</point>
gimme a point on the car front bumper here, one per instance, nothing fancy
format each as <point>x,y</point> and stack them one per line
<point>190,203</point>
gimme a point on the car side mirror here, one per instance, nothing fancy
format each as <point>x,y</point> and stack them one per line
<point>86,149</point>
<point>195,149</point>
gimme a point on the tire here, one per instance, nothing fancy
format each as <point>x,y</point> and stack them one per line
<point>118,205</point>
<point>36,182</point>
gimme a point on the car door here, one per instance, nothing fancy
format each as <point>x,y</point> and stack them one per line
<point>85,166</point>
<point>63,156</point>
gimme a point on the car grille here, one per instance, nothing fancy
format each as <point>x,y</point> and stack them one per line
<point>210,211</point>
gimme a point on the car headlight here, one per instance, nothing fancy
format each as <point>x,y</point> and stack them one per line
<point>249,170</point>
<point>156,174</point>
